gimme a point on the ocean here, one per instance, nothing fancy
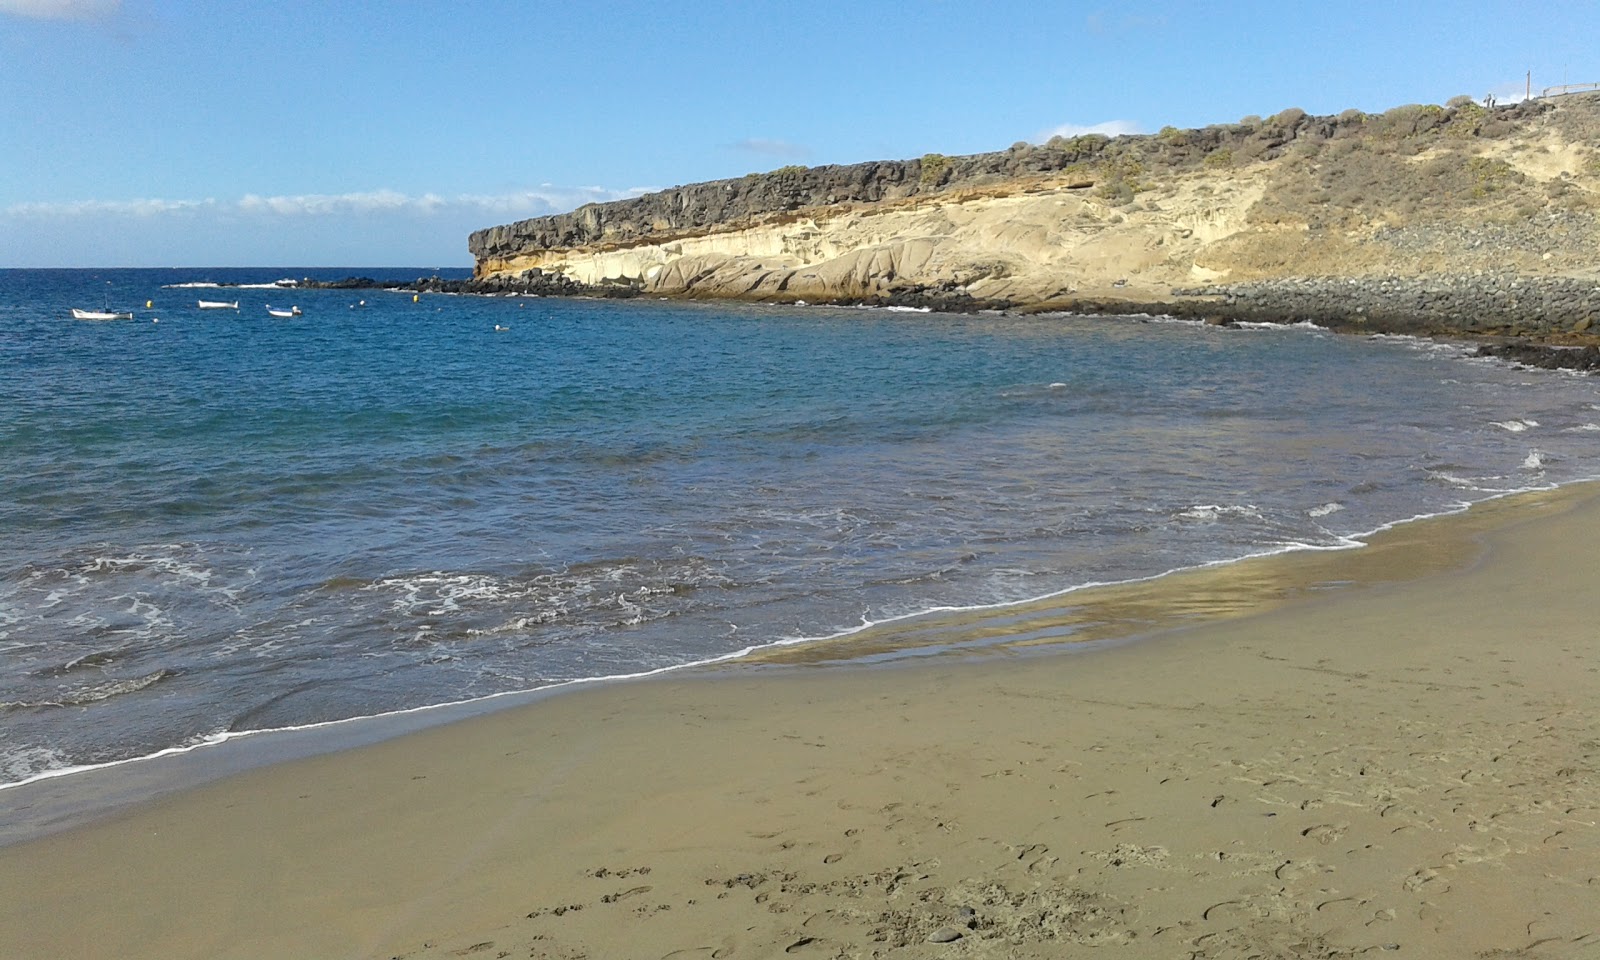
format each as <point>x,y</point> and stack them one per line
<point>218,522</point>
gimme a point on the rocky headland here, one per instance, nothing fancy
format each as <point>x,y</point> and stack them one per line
<point>1439,219</point>
<point>1451,220</point>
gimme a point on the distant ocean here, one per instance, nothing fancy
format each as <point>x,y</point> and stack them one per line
<point>218,522</point>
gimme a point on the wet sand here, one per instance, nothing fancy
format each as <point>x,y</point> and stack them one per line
<point>1393,750</point>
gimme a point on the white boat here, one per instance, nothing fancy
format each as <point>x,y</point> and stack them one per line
<point>99,315</point>
<point>291,312</point>
<point>218,304</point>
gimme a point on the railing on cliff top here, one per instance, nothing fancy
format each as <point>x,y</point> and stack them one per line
<point>1566,88</point>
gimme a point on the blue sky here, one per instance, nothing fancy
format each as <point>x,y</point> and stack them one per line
<point>347,133</point>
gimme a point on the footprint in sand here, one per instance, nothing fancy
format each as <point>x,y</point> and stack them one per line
<point>625,894</point>
<point>803,943</point>
<point>1296,869</point>
<point>1324,833</point>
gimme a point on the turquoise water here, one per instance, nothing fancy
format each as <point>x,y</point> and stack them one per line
<point>217,521</point>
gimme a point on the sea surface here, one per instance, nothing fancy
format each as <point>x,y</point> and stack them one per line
<point>218,522</point>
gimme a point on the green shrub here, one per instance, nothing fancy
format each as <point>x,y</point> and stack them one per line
<point>1407,120</point>
<point>934,168</point>
<point>1219,159</point>
<point>1118,179</point>
<point>1286,119</point>
<point>1489,176</point>
<point>1087,144</point>
<point>1465,119</point>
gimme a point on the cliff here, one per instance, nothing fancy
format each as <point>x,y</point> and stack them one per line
<point>1441,197</point>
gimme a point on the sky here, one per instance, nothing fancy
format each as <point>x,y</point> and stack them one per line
<point>364,133</point>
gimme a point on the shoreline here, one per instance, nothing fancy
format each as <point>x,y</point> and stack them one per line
<point>1073,619</point>
<point>1396,761</point>
<point>1430,307</point>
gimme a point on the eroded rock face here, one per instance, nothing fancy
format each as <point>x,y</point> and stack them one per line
<point>721,204</point>
<point>1419,189</point>
<point>700,206</point>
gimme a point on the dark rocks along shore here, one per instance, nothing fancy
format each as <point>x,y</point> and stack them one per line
<point>1551,322</point>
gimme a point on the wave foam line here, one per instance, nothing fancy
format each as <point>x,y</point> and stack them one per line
<point>1351,542</point>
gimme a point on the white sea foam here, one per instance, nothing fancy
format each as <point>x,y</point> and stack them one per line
<point>1303,325</point>
<point>1535,460</point>
<point>1453,480</point>
<point>1584,428</point>
<point>1515,426</point>
<point>1325,510</point>
<point>206,285</point>
<point>438,593</point>
<point>1440,348</point>
<point>183,564</point>
<point>1212,511</point>
<point>31,763</point>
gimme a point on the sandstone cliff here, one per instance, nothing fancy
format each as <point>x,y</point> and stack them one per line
<point>1424,192</point>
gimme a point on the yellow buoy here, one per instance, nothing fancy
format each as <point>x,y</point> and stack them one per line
<point>149,303</point>
<point>415,298</point>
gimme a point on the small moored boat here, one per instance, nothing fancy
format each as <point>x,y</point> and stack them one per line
<point>291,312</point>
<point>218,304</point>
<point>100,315</point>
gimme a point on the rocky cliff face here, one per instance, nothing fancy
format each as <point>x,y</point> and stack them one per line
<point>1416,191</point>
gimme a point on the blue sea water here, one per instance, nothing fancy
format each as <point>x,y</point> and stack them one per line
<point>218,521</point>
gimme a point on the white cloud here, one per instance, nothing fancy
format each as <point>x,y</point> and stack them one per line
<point>321,204</point>
<point>1512,91</point>
<point>1109,128</point>
<point>100,208</point>
<point>61,9</point>
<point>1100,23</point>
<point>372,227</point>
<point>534,202</point>
<point>546,198</point>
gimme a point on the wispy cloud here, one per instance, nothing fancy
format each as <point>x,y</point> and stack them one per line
<point>1101,23</point>
<point>61,9</point>
<point>1512,91</point>
<point>367,226</point>
<point>1109,128</point>
<point>773,148</point>
<point>533,202</point>
<point>320,204</point>
<point>102,208</point>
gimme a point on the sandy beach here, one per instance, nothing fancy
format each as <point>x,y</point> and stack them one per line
<point>1400,755</point>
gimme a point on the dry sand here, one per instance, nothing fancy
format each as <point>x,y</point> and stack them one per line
<point>1406,767</point>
